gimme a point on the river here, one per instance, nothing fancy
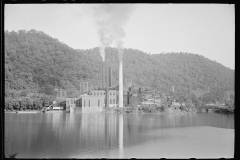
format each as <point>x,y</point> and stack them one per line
<point>111,135</point>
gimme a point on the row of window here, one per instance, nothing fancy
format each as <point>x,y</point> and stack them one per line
<point>102,93</point>
<point>112,101</point>
<point>90,103</point>
<point>71,101</point>
<point>112,93</point>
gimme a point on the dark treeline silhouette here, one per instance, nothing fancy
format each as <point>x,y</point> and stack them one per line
<point>36,64</point>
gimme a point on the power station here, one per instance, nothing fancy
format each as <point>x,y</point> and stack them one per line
<point>109,79</point>
<point>109,95</point>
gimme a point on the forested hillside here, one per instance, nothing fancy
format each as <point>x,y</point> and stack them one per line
<point>36,63</point>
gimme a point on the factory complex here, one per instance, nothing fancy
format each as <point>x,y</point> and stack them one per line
<point>91,100</point>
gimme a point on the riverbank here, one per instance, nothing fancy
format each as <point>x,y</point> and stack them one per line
<point>150,109</point>
<point>216,110</point>
<point>145,109</point>
<point>35,111</point>
<point>27,111</point>
<point>162,109</point>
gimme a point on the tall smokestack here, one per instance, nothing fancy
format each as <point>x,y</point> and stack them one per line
<point>120,55</point>
<point>103,75</point>
<point>110,77</point>
<point>107,85</point>
<point>102,53</point>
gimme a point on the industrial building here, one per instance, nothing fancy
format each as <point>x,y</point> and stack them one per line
<point>109,96</point>
<point>95,100</point>
<point>83,87</point>
<point>70,103</point>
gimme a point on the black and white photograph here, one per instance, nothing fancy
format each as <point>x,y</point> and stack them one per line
<point>119,80</point>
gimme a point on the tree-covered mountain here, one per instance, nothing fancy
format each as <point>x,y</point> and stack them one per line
<point>36,63</point>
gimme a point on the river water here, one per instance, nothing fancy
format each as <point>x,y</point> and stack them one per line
<point>111,135</point>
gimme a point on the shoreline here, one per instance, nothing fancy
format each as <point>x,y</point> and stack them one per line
<point>34,111</point>
<point>142,110</point>
<point>149,110</point>
<point>167,110</point>
<point>22,112</point>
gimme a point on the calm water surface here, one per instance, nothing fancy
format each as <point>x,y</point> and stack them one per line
<point>65,135</point>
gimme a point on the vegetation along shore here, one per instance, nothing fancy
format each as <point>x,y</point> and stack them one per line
<point>166,109</point>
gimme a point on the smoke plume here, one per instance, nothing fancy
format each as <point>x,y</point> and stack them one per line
<point>110,20</point>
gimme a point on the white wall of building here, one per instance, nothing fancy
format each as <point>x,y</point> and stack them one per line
<point>94,102</point>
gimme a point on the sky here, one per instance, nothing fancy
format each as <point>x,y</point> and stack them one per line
<point>204,29</point>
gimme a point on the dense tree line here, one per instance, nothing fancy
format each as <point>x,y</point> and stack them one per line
<point>36,64</point>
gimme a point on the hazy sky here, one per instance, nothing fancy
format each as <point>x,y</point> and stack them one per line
<point>205,29</point>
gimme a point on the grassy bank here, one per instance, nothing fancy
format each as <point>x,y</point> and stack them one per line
<point>224,110</point>
<point>165,109</point>
<point>26,110</point>
<point>133,110</point>
<point>215,109</point>
<point>149,109</point>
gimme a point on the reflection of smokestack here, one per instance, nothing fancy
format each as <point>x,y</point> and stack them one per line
<point>110,77</point>
<point>120,140</point>
<point>120,54</point>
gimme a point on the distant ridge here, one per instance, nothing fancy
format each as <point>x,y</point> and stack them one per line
<point>35,62</point>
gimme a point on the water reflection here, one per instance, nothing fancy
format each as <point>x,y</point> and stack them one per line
<point>69,135</point>
<point>120,136</point>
